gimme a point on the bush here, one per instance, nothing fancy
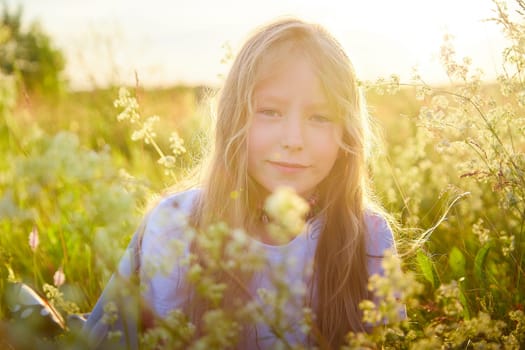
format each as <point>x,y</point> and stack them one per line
<point>30,55</point>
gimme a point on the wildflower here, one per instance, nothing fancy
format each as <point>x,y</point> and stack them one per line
<point>146,132</point>
<point>129,105</point>
<point>34,240</point>
<point>110,313</point>
<point>287,210</point>
<point>59,277</point>
<point>507,243</point>
<point>228,53</point>
<point>167,161</point>
<point>392,87</point>
<point>426,113</point>
<point>440,102</point>
<point>176,144</point>
<point>443,145</point>
<point>392,291</point>
<point>449,295</point>
<point>481,232</point>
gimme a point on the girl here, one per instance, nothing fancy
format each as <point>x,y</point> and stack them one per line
<point>290,114</point>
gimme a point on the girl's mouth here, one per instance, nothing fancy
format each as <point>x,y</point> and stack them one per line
<point>288,167</point>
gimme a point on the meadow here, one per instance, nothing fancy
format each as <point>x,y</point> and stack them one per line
<point>77,173</point>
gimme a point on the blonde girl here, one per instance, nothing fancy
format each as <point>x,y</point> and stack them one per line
<point>290,114</point>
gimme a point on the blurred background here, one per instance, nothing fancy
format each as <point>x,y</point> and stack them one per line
<point>182,42</point>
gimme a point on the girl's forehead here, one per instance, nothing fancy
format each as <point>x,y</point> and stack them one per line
<point>275,65</point>
<point>278,68</point>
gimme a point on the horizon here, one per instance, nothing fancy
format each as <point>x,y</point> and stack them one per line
<point>108,42</point>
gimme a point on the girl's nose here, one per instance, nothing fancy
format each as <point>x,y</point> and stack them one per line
<point>293,133</point>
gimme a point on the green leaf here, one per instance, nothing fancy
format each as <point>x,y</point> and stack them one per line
<point>457,262</point>
<point>463,300</point>
<point>427,268</point>
<point>479,262</point>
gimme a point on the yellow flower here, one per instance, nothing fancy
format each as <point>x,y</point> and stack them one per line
<point>287,211</point>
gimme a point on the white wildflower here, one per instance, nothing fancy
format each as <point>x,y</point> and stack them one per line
<point>481,232</point>
<point>507,243</point>
<point>176,144</point>
<point>138,135</point>
<point>167,161</point>
<point>129,106</point>
<point>287,210</point>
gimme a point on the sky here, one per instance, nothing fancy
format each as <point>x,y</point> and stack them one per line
<point>167,42</point>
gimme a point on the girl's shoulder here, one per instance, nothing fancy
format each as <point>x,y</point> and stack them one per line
<point>174,203</point>
<point>380,236</point>
<point>171,213</point>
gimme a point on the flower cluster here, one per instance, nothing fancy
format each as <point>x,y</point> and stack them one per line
<point>145,131</point>
<point>287,211</point>
<point>129,106</point>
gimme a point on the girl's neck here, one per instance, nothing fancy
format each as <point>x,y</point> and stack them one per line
<point>260,233</point>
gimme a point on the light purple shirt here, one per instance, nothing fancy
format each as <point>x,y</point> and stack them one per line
<point>165,246</point>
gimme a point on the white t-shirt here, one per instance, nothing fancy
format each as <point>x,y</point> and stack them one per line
<point>165,245</point>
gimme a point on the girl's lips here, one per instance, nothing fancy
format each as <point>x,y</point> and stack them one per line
<point>288,167</point>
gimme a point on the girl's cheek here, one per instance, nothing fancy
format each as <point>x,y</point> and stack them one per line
<point>329,132</point>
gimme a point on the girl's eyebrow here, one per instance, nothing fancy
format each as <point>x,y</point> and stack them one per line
<point>323,105</point>
<point>268,98</point>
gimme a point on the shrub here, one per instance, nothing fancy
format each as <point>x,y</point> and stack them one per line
<point>30,55</point>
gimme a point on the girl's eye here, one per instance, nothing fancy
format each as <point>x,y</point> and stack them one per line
<point>320,119</point>
<point>270,113</point>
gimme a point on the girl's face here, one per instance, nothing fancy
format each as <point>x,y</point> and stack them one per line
<point>293,139</point>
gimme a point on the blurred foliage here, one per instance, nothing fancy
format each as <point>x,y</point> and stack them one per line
<point>30,55</point>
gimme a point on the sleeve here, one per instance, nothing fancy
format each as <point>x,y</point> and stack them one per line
<point>149,278</point>
<point>113,322</point>
<point>164,248</point>
<point>380,239</point>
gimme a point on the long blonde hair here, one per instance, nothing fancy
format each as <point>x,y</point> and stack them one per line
<point>340,266</point>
